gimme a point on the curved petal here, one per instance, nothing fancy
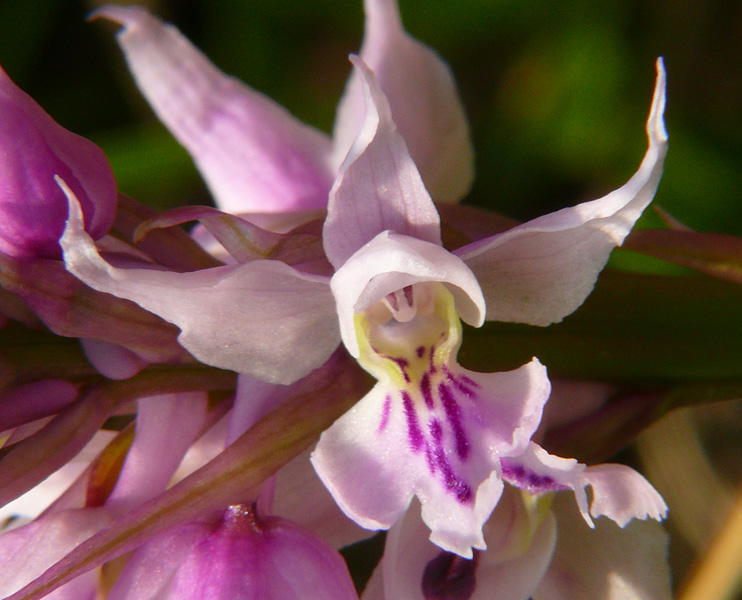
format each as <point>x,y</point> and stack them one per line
<point>541,271</point>
<point>409,563</point>
<point>622,494</point>
<point>606,562</point>
<point>296,482</point>
<point>443,446</point>
<point>111,360</point>
<point>390,262</point>
<point>378,186</point>
<point>229,316</point>
<point>26,552</point>
<point>252,153</point>
<point>166,427</point>
<point>423,99</point>
<point>619,492</point>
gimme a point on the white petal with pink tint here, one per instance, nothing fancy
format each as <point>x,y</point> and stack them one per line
<point>622,494</point>
<point>378,186</point>
<point>541,271</point>
<point>253,154</point>
<point>390,262</point>
<point>262,318</point>
<point>389,447</point>
<point>424,103</point>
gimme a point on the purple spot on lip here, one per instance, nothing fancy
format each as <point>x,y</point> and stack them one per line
<point>531,481</point>
<point>426,390</point>
<point>414,433</point>
<point>420,351</point>
<point>453,413</point>
<point>385,413</point>
<point>450,577</point>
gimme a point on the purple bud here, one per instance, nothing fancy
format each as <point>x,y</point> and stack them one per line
<point>244,557</point>
<point>33,149</point>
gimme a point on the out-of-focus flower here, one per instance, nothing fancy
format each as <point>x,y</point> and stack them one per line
<point>256,157</point>
<point>537,547</point>
<point>35,149</point>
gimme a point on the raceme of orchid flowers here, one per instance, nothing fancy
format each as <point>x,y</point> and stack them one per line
<point>458,441</point>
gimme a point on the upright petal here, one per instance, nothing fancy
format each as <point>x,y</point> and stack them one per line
<point>378,186</point>
<point>541,271</point>
<point>252,153</point>
<point>166,426</point>
<point>423,99</point>
<point>228,315</point>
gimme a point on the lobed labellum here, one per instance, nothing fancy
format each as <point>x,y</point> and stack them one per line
<point>430,391</point>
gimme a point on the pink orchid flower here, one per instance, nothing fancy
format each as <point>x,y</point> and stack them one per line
<point>429,428</point>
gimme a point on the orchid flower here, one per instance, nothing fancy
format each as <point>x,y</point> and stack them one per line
<point>537,547</point>
<point>429,428</point>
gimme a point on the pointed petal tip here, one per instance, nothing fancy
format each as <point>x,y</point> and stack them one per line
<point>122,15</point>
<point>656,121</point>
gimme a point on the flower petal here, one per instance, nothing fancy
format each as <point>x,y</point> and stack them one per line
<point>390,262</point>
<point>606,562</point>
<point>409,563</point>
<point>389,447</point>
<point>619,492</point>
<point>228,315</point>
<point>622,494</point>
<point>378,186</point>
<point>26,552</point>
<point>298,481</point>
<point>166,427</point>
<point>252,153</point>
<point>541,271</point>
<point>423,99</point>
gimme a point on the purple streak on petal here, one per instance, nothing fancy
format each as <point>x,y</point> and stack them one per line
<point>385,413</point>
<point>453,413</point>
<point>431,365</point>
<point>414,432</point>
<point>400,361</point>
<point>427,392</point>
<point>440,461</point>
<point>526,479</point>
<point>461,382</point>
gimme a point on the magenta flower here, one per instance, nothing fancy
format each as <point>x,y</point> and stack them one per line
<point>33,209</point>
<point>241,557</point>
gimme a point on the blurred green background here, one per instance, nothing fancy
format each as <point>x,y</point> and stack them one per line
<point>557,92</point>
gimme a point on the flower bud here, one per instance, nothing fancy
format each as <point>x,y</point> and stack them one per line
<point>33,209</point>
